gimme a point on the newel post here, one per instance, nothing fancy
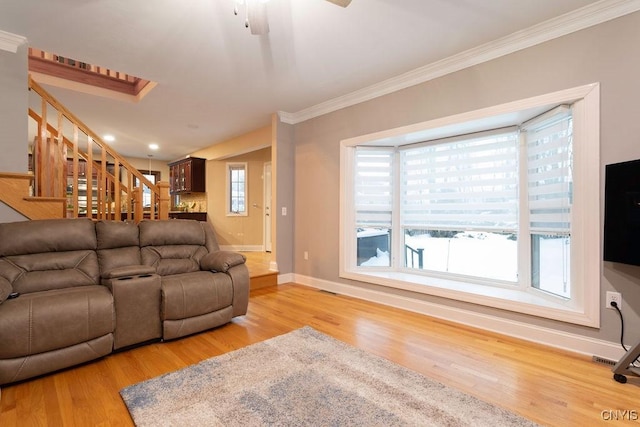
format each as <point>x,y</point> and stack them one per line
<point>138,209</point>
<point>164,202</point>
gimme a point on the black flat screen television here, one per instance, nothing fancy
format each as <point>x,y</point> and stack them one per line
<point>622,213</point>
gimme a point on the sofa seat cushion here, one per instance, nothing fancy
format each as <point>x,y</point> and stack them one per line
<point>21,368</point>
<point>44,321</point>
<point>194,294</point>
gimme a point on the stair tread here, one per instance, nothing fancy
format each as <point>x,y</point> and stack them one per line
<point>44,199</point>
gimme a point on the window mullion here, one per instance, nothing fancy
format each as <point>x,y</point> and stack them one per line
<point>397,230</point>
<point>524,232</point>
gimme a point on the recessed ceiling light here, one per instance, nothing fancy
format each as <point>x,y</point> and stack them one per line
<point>109,138</point>
<point>153,146</point>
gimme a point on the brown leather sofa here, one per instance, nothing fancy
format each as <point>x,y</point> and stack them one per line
<point>73,290</point>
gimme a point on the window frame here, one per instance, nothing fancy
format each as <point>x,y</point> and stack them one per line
<point>583,306</point>
<point>229,166</point>
<point>146,191</point>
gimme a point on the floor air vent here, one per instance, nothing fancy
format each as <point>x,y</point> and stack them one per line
<point>603,361</point>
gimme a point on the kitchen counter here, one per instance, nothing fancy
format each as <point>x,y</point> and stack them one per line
<point>198,216</point>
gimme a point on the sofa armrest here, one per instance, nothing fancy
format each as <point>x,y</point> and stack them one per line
<point>5,289</point>
<point>129,271</point>
<point>221,261</point>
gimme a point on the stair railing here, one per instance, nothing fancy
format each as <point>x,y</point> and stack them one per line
<point>411,254</point>
<point>69,160</point>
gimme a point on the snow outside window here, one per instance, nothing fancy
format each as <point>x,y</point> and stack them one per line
<point>459,205</point>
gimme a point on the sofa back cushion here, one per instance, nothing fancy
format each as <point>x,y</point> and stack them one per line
<point>46,235</point>
<point>118,245</point>
<point>172,246</point>
<point>41,255</point>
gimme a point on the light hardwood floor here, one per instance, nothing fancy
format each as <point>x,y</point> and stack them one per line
<point>259,264</point>
<point>549,386</point>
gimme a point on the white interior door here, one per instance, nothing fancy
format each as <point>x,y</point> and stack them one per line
<point>267,206</point>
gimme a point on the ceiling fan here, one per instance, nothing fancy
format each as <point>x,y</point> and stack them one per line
<point>256,13</point>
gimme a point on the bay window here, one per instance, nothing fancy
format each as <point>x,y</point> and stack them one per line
<point>481,210</point>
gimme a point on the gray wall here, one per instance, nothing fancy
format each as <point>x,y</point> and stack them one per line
<point>283,164</point>
<point>606,53</point>
<point>13,110</point>
<point>13,119</point>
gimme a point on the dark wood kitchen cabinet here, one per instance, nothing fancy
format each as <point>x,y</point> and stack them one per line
<point>187,176</point>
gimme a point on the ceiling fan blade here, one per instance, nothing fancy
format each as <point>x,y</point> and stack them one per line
<point>257,17</point>
<point>343,3</point>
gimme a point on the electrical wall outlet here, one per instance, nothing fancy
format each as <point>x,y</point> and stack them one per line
<point>614,296</point>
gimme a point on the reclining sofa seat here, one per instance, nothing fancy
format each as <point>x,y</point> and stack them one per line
<point>87,288</point>
<point>63,316</point>
<point>202,286</point>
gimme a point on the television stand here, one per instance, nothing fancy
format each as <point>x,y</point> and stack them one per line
<point>624,366</point>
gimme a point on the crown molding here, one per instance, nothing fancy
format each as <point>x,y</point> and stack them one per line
<point>11,42</point>
<point>585,17</point>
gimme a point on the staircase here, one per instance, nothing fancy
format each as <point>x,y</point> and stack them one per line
<point>73,173</point>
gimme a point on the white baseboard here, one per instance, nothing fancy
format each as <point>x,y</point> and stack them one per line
<point>287,278</point>
<point>550,337</point>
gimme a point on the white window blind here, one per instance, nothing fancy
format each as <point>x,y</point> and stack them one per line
<point>463,183</point>
<point>373,186</point>
<point>549,149</point>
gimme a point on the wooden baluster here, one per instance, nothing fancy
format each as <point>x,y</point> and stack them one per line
<point>60,163</point>
<point>76,165</point>
<point>116,190</point>
<point>37,162</point>
<point>89,176</point>
<point>102,190</point>
<point>51,163</point>
<point>152,203</point>
<point>42,143</point>
<point>129,195</point>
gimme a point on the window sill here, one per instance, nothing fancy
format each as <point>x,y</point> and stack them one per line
<point>530,301</point>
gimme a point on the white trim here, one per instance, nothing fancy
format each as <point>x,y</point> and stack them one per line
<point>584,306</point>
<point>11,42</point>
<point>242,248</point>
<point>228,166</point>
<point>538,334</point>
<point>286,278</point>
<point>588,16</point>
<point>267,197</point>
<point>408,133</point>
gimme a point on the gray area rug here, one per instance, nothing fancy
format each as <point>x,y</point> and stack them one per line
<point>305,378</point>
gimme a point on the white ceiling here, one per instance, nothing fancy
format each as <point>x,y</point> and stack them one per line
<point>216,80</point>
